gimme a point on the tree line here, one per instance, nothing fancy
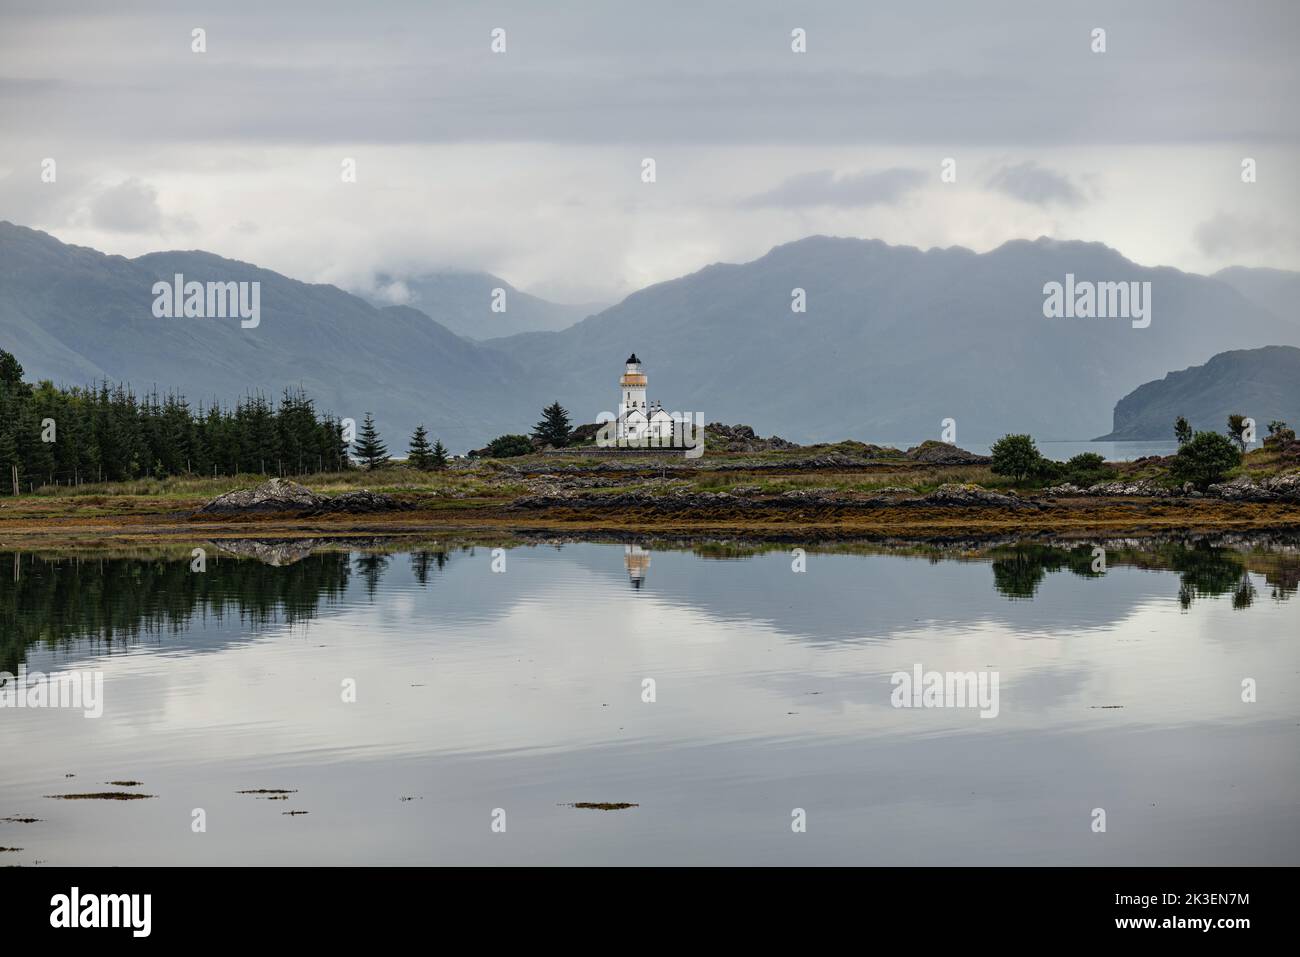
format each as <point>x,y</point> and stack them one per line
<point>107,433</point>
<point>72,436</point>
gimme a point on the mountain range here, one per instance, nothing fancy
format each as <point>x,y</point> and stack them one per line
<point>894,340</point>
<point>462,302</point>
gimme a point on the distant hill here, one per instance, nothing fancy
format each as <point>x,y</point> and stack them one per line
<point>75,315</point>
<point>1263,384</point>
<point>462,301</point>
<point>1277,290</point>
<point>894,340</point>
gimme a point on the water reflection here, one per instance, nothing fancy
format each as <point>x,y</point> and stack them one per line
<point>1205,571</point>
<point>50,600</point>
<point>524,690</point>
<point>637,560</point>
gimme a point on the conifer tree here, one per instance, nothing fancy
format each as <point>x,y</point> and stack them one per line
<point>439,455</point>
<point>420,454</point>
<point>370,449</point>
<point>554,428</point>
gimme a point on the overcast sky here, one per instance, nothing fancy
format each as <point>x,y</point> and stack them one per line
<point>528,163</point>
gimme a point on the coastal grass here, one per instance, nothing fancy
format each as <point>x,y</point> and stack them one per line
<point>480,494</point>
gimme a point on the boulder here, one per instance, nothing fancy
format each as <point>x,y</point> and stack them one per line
<point>276,495</point>
<point>932,452</point>
<point>741,438</point>
<point>280,496</point>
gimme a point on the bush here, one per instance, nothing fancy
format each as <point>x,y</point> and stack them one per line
<point>1015,456</point>
<point>1279,434</point>
<point>1087,468</point>
<point>1048,470</point>
<point>1086,462</point>
<point>509,446</point>
<point>1206,459</point>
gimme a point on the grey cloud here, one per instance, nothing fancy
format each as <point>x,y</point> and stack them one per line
<point>1226,234</point>
<point>129,207</point>
<point>690,73</point>
<point>826,188</point>
<point>1031,183</point>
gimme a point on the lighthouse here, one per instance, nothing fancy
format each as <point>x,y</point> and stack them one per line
<point>639,421</point>
<point>632,407</point>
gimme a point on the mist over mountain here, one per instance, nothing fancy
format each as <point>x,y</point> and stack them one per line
<point>1263,384</point>
<point>462,302</point>
<point>1277,290</point>
<point>894,340</point>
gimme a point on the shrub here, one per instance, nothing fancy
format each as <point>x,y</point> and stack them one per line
<point>1206,459</point>
<point>1087,468</point>
<point>1279,434</point>
<point>1015,456</point>
<point>509,446</point>
<point>1048,470</point>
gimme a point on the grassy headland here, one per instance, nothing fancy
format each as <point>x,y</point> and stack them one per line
<point>846,489</point>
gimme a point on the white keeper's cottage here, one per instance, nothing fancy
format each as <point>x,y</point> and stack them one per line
<point>638,421</point>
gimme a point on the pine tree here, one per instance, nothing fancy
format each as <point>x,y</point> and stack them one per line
<point>439,455</point>
<point>419,454</point>
<point>369,447</point>
<point>1182,430</point>
<point>554,428</point>
<point>8,459</point>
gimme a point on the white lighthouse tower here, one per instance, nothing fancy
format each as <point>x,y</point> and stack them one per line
<point>640,422</point>
<point>632,411</point>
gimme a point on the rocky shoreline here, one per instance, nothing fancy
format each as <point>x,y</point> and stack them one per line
<point>1283,488</point>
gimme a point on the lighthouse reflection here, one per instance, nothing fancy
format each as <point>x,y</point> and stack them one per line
<point>637,560</point>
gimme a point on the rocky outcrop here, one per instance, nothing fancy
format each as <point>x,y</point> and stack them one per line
<point>281,496</point>
<point>1063,490</point>
<point>1282,488</point>
<point>941,453</point>
<point>1143,488</point>
<point>968,495</point>
<point>276,495</point>
<point>361,502</point>
<point>741,438</point>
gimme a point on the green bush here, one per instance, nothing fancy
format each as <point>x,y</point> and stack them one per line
<point>1206,459</point>
<point>1048,470</point>
<point>1016,456</point>
<point>1087,468</point>
<point>509,446</point>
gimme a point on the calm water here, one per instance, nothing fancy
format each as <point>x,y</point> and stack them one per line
<point>522,690</point>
